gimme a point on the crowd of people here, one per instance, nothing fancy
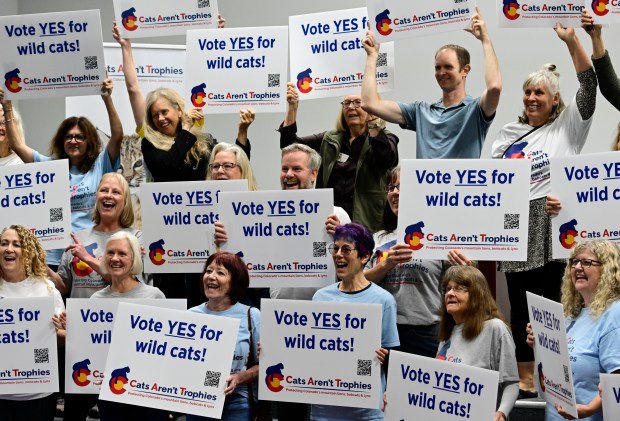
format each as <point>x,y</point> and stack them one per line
<point>435,308</point>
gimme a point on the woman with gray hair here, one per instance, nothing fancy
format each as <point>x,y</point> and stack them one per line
<point>547,128</point>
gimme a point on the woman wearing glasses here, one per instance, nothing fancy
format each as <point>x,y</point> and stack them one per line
<point>591,301</point>
<point>472,331</point>
<point>76,140</point>
<point>356,157</point>
<point>229,162</point>
<point>352,248</point>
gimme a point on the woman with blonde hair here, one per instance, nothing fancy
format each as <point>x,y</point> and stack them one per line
<point>229,162</point>
<point>7,155</point>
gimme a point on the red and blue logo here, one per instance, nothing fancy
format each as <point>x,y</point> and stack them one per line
<point>568,234</point>
<point>304,80</point>
<point>157,252</point>
<point>129,19</point>
<point>81,372</point>
<point>274,377</point>
<point>516,151</point>
<point>80,267</point>
<point>11,81</point>
<point>382,23</point>
<point>511,9</point>
<point>118,380</point>
<point>599,7</point>
<point>198,95</point>
<point>414,236</point>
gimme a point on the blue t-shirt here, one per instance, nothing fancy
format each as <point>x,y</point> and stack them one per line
<point>83,188</point>
<point>242,348</point>
<point>454,132</point>
<point>593,347</point>
<point>389,339</point>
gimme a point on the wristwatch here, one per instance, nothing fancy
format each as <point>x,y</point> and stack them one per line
<point>379,125</point>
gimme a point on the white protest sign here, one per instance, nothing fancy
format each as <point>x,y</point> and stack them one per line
<point>154,18</point>
<point>553,370</point>
<point>159,358</point>
<point>400,19</point>
<point>89,334</point>
<point>327,56</point>
<point>610,383</point>
<point>232,69</point>
<point>178,220</point>
<point>480,206</point>
<point>589,188</point>
<point>52,54</point>
<point>310,351</point>
<point>281,235</point>
<point>29,362</point>
<point>426,388</point>
<point>538,13</point>
<point>604,11</point>
<point>37,196</point>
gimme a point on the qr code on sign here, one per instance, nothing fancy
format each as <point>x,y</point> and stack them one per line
<point>273,80</point>
<point>382,60</point>
<point>41,356</point>
<point>55,214</point>
<point>90,62</point>
<point>511,221</point>
<point>364,367</point>
<point>319,249</point>
<point>566,376</point>
<point>212,378</point>
<point>203,3</point>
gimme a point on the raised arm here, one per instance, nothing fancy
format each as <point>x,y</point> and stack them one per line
<point>246,118</point>
<point>136,97</point>
<point>292,103</point>
<point>492,75</point>
<point>116,127</point>
<point>371,103</point>
<point>578,54</point>
<point>15,137</point>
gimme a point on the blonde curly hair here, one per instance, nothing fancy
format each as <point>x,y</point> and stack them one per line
<point>608,289</point>
<point>33,254</point>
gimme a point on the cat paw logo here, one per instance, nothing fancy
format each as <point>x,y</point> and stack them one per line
<point>516,151</point>
<point>568,234</point>
<point>118,380</point>
<point>414,236</point>
<point>128,18</point>
<point>274,377</point>
<point>81,372</point>
<point>511,9</point>
<point>304,80</point>
<point>157,252</point>
<point>382,23</point>
<point>541,378</point>
<point>198,95</point>
<point>80,267</point>
<point>599,7</point>
<point>11,81</point>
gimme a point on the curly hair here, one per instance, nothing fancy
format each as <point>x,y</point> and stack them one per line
<point>549,77</point>
<point>33,254</point>
<point>608,289</point>
<point>242,162</point>
<point>127,215</point>
<point>93,143</point>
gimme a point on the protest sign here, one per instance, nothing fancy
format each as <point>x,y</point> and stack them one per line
<point>232,69</point>
<point>37,196</point>
<point>589,188</point>
<point>169,359</point>
<point>538,13</point>
<point>90,325</point>
<point>154,18</point>
<point>327,56</point>
<point>604,11</point>
<point>610,383</point>
<point>480,206</point>
<point>51,54</point>
<point>426,388</point>
<point>281,235</point>
<point>400,19</point>
<point>553,370</point>
<point>178,220</point>
<point>320,353</point>
<point>29,362</point>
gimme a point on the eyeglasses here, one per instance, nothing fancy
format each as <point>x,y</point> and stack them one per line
<point>347,103</point>
<point>391,187</point>
<point>226,166</point>
<point>79,138</point>
<point>585,263</point>
<point>458,289</point>
<point>345,250</point>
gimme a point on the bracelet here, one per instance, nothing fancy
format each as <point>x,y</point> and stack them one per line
<point>380,124</point>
